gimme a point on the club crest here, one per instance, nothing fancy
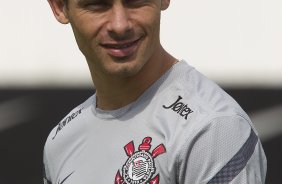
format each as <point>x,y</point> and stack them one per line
<point>140,166</point>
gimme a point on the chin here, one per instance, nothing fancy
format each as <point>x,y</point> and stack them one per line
<point>125,69</point>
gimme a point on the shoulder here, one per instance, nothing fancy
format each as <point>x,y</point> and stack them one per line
<point>209,106</point>
<point>70,123</point>
<point>207,121</point>
<point>225,143</point>
<point>217,137</point>
<point>191,94</point>
<point>68,132</point>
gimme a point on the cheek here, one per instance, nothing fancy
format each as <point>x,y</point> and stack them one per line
<point>151,23</point>
<point>81,39</point>
<point>153,30</point>
<point>147,16</point>
<point>85,34</point>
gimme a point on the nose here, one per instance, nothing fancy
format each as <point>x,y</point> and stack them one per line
<point>119,25</point>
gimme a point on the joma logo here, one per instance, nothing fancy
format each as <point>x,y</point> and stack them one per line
<point>180,108</point>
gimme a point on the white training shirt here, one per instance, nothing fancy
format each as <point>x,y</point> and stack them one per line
<point>183,129</point>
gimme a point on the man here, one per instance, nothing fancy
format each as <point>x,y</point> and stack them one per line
<point>153,119</point>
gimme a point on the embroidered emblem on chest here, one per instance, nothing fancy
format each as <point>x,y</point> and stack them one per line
<point>180,108</point>
<point>140,166</point>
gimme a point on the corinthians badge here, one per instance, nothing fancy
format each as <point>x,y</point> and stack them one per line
<point>140,166</point>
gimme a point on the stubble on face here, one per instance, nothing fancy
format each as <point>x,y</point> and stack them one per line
<point>91,31</point>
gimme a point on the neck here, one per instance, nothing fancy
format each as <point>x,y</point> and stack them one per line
<point>116,92</point>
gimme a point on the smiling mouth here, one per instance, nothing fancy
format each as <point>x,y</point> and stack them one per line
<point>120,45</point>
<point>124,49</point>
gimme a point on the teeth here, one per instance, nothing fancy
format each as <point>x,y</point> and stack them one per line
<point>119,46</point>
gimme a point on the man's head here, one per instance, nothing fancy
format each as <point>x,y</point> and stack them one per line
<point>116,36</point>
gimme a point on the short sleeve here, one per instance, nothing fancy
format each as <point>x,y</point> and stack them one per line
<point>226,150</point>
<point>46,172</point>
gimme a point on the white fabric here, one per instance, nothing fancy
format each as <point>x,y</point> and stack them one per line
<point>201,132</point>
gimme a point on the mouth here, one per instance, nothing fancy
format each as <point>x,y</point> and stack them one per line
<point>122,49</point>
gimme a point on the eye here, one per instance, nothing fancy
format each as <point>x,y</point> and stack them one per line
<point>98,5</point>
<point>135,3</point>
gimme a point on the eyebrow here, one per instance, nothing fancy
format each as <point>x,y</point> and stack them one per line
<point>80,2</point>
<point>89,1</point>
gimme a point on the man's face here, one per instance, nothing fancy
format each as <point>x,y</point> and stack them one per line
<point>117,37</point>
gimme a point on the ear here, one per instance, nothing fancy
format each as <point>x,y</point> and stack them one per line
<point>165,4</point>
<point>59,10</point>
